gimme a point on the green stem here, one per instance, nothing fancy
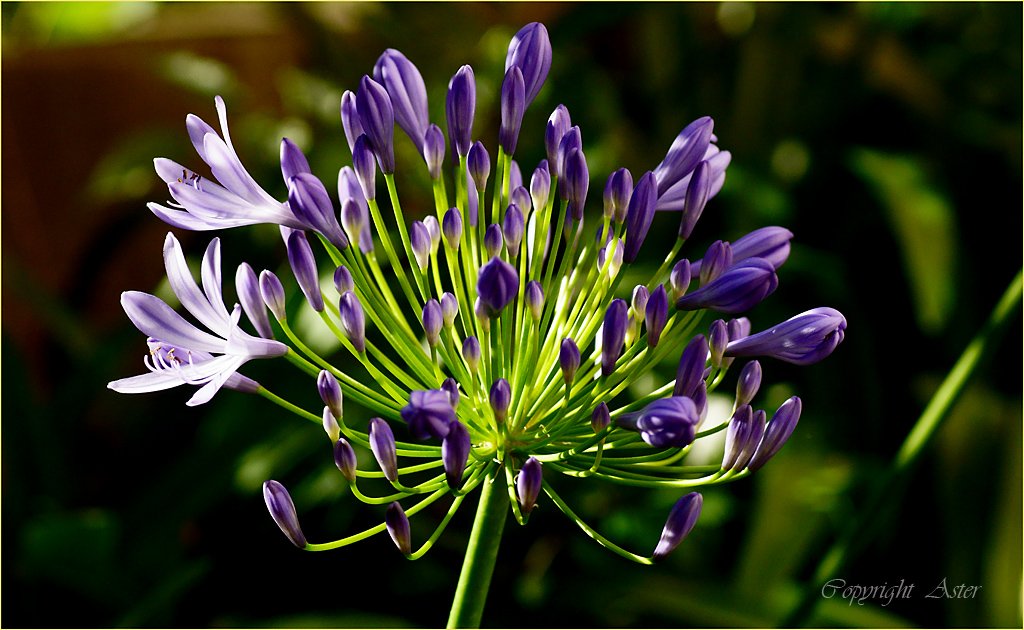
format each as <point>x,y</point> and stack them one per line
<point>481,555</point>
<point>855,536</point>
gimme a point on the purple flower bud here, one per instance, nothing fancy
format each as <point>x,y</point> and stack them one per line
<point>640,298</point>
<point>558,124</point>
<point>528,484</point>
<point>300,257</point>
<point>419,241</point>
<point>569,359</point>
<point>690,372</point>
<point>770,243</point>
<point>455,450</point>
<point>738,328</point>
<point>530,51</point>
<point>740,288</point>
<point>432,322</point>
<point>601,418</point>
<point>497,285</point>
<point>679,279</point>
<point>279,502</point>
<point>345,459</point>
<point>460,107</point>
<point>534,297</point>
<point>681,520</point>
<point>616,194</point>
<point>308,199</point>
<point>577,181</point>
<point>520,197</point>
<point>501,397</point>
<point>802,339</point>
<point>540,185</point>
<point>513,228</point>
<point>382,443</point>
<point>434,230</point>
<point>717,259</point>
<point>293,161</point>
<point>428,414</point>
<point>778,430</point>
<point>749,383</point>
<point>613,335</point>
<point>330,424</point>
<point>433,150</point>
<point>364,165</point>
<point>407,92</point>
<point>513,105</point>
<point>737,438</point>
<point>451,227</point>
<point>697,194</point>
<point>616,262</point>
<point>353,218</point>
<point>248,288</point>
<point>451,387</point>
<point>686,152</point>
<point>665,422</point>
<point>272,292</point>
<point>493,241</point>
<point>343,280</point>
<point>378,120</point>
<point>639,215</point>
<point>353,321</point>
<point>330,392</point>
<point>449,309</point>
<point>718,338</point>
<point>350,119</point>
<point>570,141</point>
<point>471,353</point>
<point>674,198</point>
<point>700,400</point>
<point>479,163</point>
<point>515,176</point>
<point>398,527</point>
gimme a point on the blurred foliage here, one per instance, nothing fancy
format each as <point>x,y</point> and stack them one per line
<point>886,135</point>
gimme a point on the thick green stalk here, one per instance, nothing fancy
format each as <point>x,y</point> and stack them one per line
<point>481,555</point>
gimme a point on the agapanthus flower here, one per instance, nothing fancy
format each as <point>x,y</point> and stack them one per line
<point>501,343</point>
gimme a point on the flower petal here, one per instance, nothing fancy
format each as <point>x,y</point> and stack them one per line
<point>154,318</point>
<point>185,287</point>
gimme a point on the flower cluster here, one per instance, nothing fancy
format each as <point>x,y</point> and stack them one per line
<point>497,337</point>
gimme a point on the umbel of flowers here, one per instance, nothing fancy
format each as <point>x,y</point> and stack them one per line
<point>496,331</point>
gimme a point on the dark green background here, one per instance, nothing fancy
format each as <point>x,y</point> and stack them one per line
<point>886,136</point>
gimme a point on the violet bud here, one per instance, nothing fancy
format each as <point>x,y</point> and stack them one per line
<point>428,414</point>
<point>343,280</point>
<point>741,425</point>
<point>640,298</point>
<point>272,292</point>
<point>665,422</point>
<point>770,243</point>
<point>802,339</point>
<point>398,527</point>
<point>540,185</point>
<point>419,241</point>
<point>382,443</point>
<point>460,107</point>
<point>601,418</point>
<point>681,520</point>
<point>738,328</point>
<point>700,400</point>
<point>248,287</point>
<point>434,230</point>
<point>513,227</point>
<point>451,227</point>
<point>534,296</point>
<point>639,215</point>
<point>569,358</point>
<point>616,195</point>
<point>479,163</point>
<point>449,309</point>
<point>433,151</point>
<point>697,194</point>
<point>520,197</point>
<point>686,152</point>
<point>751,440</point>
<point>680,277</point>
<point>749,383</point>
<point>528,484</point>
<point>408,93</point>
<point>656,315</point>
<point>353,218</point>
<point>778,430</point>
<point>330,392</point>
<point>739,289</point>
<point>455,449</point>
<point>471,353</point>
<point>378,120</point>
<point>497,285</point>
<point>501,397</point>
<point>350,119</point>
<point>493,241</point>
<point>674,198</point>
<point>571,140</point>
<point>577,181</point>
<point>353,320</point>
<point>717,259</point>
<point>300,257</point>
<point>293,161</point>
<point>530,51</point>
<point>330,425</point>
<point>616,262</point>
<point>718,338</point>
<point>613,335</point>
<point>690,372</point>
<point>308,199</point>
<point>364,165</point>
<point>345,459</point>
<point>558,124</point>
<point>432,322</point>
<point>513,105</point>
<point>279,502</point>
<point>451,387</point>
